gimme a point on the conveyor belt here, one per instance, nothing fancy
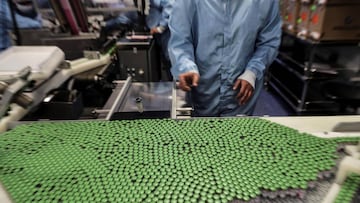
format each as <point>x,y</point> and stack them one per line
<point>213,160</point>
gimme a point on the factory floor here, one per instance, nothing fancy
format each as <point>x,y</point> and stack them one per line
<point>270,104</point>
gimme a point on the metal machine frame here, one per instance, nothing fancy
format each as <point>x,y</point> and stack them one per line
<point>37,96</point>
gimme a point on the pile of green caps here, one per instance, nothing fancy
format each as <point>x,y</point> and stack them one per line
<point>348,190</point>
<point>199,160</point>
<point>346,139</point>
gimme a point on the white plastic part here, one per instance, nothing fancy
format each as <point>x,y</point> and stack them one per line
<point>322,1</point>
<point>315,35</point>
<point>347,166</point>
<point>43,60</point>
<point>302,34</point>
<point>353,151</point>
<point>290,27</point>
<point>4,196</point>
<point>332,194</point>
<point>15,114</point>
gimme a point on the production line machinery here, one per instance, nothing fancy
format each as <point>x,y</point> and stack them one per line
<point>82,22</point>
<point>145,100</point>
<point>45,89</point>
<point>96,153</point>
<point>27,82</point>
<point>139,142</point>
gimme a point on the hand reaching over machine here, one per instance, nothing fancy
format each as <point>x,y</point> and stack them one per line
<point>245,91</point>
<point>188,80</point>
<point>157,30</point>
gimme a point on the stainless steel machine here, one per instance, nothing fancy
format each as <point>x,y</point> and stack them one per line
<point>145,100</point>
<point>45,90</point>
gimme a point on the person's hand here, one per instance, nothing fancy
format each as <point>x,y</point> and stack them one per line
<point>245,92</point>
<point>154,31</point>
<point>188,80</point>
<point>157,30</point>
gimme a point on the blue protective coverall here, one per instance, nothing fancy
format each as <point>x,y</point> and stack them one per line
<point>6,23</point>
<point>223,40</point>
<point>126,18</point>
<point>159,15</point>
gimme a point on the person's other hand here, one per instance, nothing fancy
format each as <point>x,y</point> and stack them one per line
<point>245,92</point>
<point>188,80</point>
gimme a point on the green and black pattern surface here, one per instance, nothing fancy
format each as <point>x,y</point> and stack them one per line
<point>200,160</point>
<point>349,189</point>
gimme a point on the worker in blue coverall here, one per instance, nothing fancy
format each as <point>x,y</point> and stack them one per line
<point>25,16</point>
<point>124,19</point>
<point>220,49</point>
<point>157,21</point>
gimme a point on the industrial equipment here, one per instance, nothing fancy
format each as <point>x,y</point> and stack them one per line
<point>84,25</point>
<point>105,131</point>
<point>139,58</point>
<point>23,90</point>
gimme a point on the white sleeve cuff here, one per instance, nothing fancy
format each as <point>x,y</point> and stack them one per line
<point>193,71</point>
<point>160,29</point>
<point>248,76</point>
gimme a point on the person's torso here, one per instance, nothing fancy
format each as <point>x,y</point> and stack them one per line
<point>225,34</point>
<point>225,31</point>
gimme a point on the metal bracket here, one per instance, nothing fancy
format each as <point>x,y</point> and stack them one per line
<point>12,92</point>
<point>92,54</point>
<point>120,98</point>
<point>178,112</point>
